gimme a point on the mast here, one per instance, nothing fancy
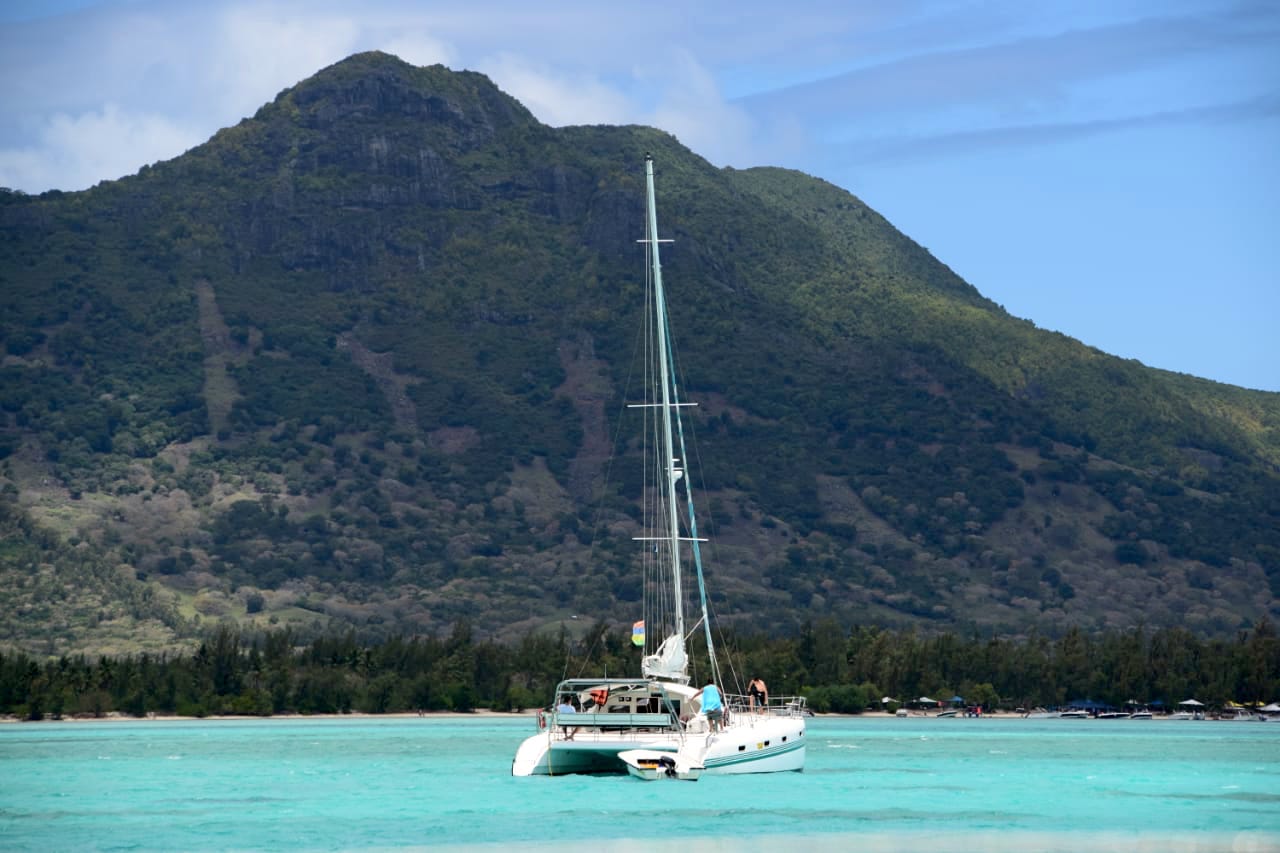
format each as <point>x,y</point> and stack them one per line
<point>664,375</point>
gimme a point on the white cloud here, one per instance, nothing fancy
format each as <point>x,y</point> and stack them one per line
<point>264,48</point>
<point>76,152</point>
<point>418,48</point>
<point>560,98</point>
<point>693,108</point>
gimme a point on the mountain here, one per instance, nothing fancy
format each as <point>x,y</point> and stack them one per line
<point>360,360</point>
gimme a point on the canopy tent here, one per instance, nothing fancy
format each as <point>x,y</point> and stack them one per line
<point>886,700</point>
<point>926,699</point>
<point>959,700</point>
<point>1273,708</point>
<point>1192,703</point>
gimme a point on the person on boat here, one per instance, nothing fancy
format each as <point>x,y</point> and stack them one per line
<point>566,707</point>
<point>758,694</point>
<point>711,705</point>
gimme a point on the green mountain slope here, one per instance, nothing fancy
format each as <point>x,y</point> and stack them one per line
<point>360,359</point>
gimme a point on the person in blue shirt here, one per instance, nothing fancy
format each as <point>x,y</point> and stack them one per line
<point>711,705</point>
<point>566,707</point>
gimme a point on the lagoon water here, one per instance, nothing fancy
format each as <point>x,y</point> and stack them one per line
<point>427,783</point>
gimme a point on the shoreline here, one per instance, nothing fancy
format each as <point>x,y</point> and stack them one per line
<point>120,717</point>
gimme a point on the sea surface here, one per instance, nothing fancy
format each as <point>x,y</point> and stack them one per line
<point>445,782</point>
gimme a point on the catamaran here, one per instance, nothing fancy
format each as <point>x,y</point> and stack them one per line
<point>619,725</point>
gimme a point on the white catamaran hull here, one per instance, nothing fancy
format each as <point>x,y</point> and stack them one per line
<point>763,745</point>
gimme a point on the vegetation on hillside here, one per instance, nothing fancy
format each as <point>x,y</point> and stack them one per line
<point>361,361</point>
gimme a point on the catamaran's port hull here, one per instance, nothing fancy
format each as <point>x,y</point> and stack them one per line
<point>767,745</point>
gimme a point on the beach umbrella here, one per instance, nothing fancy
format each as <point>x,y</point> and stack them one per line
<point>1191,702</point>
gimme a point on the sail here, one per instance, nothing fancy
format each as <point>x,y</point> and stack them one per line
<point>670,661</point>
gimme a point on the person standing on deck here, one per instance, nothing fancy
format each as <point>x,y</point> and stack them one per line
<point>711,704</point>
<point>758,694</point>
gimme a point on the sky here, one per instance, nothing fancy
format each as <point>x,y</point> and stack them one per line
<point>1109,169</point>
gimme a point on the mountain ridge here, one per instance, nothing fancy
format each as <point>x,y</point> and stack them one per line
<point>357,361</point>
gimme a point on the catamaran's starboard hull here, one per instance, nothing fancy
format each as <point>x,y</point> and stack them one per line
<point>760,745</point>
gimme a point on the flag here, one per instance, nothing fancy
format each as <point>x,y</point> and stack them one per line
<point>637,633</point>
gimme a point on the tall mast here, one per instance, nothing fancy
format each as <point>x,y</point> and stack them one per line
<point>664,371</point>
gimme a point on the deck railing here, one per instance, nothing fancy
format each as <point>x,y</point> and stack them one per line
<point>777,706</point>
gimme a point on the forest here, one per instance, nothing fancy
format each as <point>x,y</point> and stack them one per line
<point>838,670</point>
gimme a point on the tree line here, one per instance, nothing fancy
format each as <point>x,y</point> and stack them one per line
<point>846,670</point>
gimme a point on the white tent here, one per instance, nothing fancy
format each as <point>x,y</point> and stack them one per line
<point>886,700</point>
<point>1273,708</point>
<point>1192,702</point>
<point>926,699</point>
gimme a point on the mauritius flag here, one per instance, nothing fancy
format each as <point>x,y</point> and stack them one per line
<point>637,633</point>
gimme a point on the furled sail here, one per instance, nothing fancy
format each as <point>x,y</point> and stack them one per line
<point>669,662</point>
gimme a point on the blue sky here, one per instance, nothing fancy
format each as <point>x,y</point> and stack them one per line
<point>1110,170</point>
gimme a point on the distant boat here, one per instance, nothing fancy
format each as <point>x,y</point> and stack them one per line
<point>1243,715</point>
<point>658,710</point>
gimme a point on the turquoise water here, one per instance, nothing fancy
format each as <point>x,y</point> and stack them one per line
<point>417,783</point>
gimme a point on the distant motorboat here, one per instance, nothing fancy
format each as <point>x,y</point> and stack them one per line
<point>1245,716</point>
